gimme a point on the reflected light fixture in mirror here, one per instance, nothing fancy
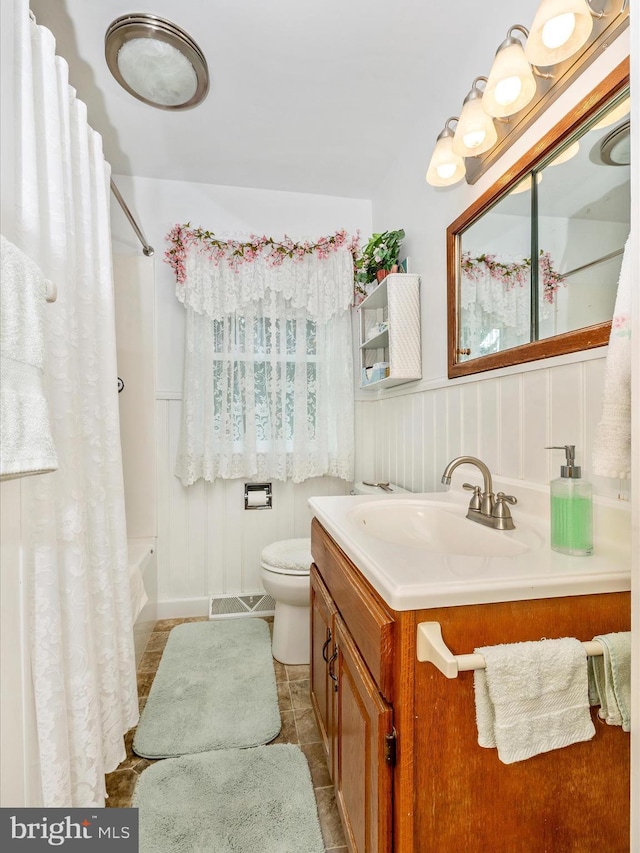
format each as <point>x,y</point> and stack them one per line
<point>525,184</point>
<point>511,84</point>
<point>560,28</point>
<point>445,167</point>
<point>566,155</point>
<point>475,131</point>
<point>615,115</point>
<point>156,61</point>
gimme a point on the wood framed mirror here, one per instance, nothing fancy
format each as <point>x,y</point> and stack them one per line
<point>533,264</point>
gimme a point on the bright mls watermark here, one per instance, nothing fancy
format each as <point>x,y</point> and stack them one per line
<point>90,829</point>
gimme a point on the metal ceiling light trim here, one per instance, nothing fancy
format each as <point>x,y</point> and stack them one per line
<point>140,25</point>
<point>615,147</point>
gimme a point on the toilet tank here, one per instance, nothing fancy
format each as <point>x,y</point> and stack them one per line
<point>372,489</point>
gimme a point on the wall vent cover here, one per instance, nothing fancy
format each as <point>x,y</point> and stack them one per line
<point>249,604</point>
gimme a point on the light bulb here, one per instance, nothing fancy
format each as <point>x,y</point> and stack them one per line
<point>446,167</point>
<point>507,91</point>
<point>475,132</point>
<point>511,84</point>
<point>558,30</point>
<point>474,138</point>
<point>446,170</point>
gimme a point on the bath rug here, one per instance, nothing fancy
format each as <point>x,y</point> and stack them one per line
<point>215,688</point>
<point>257,800</point>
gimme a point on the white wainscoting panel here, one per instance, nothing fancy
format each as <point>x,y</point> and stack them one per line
<point>506,421</point>
<point>208,544</point>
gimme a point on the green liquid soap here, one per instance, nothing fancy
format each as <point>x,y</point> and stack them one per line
<point>571,525</point>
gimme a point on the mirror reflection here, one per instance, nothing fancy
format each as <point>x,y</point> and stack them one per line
<point>571,214</point>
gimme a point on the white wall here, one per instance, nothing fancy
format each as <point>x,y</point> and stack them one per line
<point>207,542</point>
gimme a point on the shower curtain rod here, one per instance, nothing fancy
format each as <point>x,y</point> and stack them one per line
<point>146,248</point>
<point>593,263</point>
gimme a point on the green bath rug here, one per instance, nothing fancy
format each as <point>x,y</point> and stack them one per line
<point>230,801</point>
<point>215,688</point>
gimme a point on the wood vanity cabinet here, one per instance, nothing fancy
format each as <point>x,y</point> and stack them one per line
<point>401,739</point>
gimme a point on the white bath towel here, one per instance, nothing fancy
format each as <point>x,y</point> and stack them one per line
<point>612,442</point>
<point>610,679</point>
<point>26,444</point>
<point>532,697</point>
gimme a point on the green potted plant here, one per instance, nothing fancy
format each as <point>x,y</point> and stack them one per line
<point>378,258</point>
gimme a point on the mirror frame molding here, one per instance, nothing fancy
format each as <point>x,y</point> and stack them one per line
<point>575,341</point>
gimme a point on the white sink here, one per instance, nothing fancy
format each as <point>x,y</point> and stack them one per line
<point>439,528</point>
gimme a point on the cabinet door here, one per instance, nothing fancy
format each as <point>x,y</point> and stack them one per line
<point>322,613</point>
<point>363,779</point>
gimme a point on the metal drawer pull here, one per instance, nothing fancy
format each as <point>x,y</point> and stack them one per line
<point>332,659</point>
<point>325,657</point>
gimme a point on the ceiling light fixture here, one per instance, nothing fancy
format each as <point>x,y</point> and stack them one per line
<point>446,167</point>
<point>156,61</point>
<point>511,84</point>
<point>560,28</point>
<point>475,131</point>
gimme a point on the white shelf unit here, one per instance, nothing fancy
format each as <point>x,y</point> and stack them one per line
<point>389,324</point>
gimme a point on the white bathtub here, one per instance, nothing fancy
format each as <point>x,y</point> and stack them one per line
<point>143,577</point>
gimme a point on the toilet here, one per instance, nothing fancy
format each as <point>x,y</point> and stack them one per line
<point>284,571</point>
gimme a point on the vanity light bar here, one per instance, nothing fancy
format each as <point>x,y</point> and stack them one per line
<point>563,38</point>
<point>431,648</point>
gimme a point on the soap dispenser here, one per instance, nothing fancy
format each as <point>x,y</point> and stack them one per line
<point>571,508</point>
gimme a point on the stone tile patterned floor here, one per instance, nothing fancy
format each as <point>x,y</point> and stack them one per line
<point>298,726</point>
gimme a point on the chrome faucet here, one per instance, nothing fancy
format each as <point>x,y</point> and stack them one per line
<point>484,507</point>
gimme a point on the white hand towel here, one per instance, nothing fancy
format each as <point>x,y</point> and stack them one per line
<point>610,679</point>
<point>612,442</point>
<point>26,445</point>
<point>532,697</point>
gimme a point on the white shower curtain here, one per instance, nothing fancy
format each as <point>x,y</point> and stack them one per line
<point>82,655</point>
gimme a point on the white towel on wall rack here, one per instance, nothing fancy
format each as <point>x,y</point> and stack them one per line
<point>532,698</point>
<point>26,445</point>
<point>610,679</point>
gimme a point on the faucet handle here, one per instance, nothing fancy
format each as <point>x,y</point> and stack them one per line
<point>502,513</point>
<point>476,500</point>
<point>500,508</point>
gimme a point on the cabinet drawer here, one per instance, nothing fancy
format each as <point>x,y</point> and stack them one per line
<point>368,619</point>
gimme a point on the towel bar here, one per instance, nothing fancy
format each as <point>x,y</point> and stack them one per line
<point>432,649</point>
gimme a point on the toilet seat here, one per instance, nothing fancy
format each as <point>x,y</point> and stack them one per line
<point>287,557</point>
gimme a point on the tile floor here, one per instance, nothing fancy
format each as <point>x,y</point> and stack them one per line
<point>298,726</point>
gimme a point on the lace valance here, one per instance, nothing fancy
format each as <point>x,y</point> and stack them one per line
<point>322,286</point>
<point>217,278</point>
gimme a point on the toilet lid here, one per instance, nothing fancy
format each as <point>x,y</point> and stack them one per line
<point>288,556</point>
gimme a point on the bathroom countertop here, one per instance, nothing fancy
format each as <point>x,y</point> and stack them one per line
<point>408,577</point>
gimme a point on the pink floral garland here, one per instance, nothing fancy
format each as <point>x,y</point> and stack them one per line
<point>236,253</point>
<point>512,273</point>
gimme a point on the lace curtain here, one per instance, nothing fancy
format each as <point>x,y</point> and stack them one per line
<point>495,312</point>
<point>82,650</point>
<point>268,380</point>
